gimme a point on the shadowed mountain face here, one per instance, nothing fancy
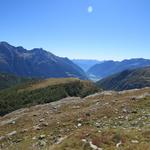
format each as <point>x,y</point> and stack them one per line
<point>36,63</point>
<point>128,79</point>
<point>108,68</point>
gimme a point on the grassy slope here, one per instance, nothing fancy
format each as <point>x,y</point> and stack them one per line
<point>106,119</point>
<point>43,91</point>
<point>128,79</point>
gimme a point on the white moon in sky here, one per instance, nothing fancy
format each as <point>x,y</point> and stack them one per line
<point>90,9</point>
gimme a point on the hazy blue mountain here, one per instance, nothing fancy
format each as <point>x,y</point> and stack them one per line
<point>36,63</point>
<point>108,68</point>
<point>85,64</point>
<point>128,79</point>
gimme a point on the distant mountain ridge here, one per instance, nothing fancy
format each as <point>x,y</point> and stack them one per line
<point>108,68</point>
<point>86,64</point>
<point>128,79</point>
<point>36,63</point>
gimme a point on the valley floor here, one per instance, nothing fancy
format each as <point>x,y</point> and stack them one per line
<point>104,121</point>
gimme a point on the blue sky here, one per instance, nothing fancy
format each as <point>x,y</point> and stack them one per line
<point>114,29</point>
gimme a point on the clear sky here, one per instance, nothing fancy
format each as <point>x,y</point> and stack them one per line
<point>93,29</point>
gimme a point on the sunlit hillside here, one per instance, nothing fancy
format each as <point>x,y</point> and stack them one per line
<point>43,91</point>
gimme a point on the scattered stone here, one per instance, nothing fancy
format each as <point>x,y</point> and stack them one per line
<point>114,127</point>
<point>12,133</point>
<point>125,110</point>
<point>97,125</point>
<point>140,130</point>
<point>60,140</point>
<point>140,97</point>
<point>120,117</point>
<point>64,124</point>
<point>102,122</point>
<point>105,117</point>
<point>147,115</point>
<point>42,143</point>
<point>79,125</point>
<point>79,119</point>
<point>42,120</point>
<point>76,107</point>
<point>58,122</point>
<point>8,121</point>
<point>134,141</point>
<point>134,123</point>
<point>46,113</point>
<point>34,138</point>
<point>54,107</point>
<point>118,144</point>
<point>24,130</point>
<point>105,104</point>
<point>13,122</point>
<point>37,127</point>
<point>84,140</point>
<point>97,103</point>
<point>18,140</point>
<point>126,117</point>
<point>45,124</point>
<point>94,146</point>
<point>2,138</point>
<point>42,136</point>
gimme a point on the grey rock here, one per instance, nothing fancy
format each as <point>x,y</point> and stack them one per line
<point>12,133</point>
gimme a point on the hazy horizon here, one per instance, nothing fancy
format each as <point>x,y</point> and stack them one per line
<point>91,29</point>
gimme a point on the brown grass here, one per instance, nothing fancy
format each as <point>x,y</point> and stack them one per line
<point>49,82</point>
<point>62,119</point>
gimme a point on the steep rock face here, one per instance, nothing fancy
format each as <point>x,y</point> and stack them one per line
<point>108,68</point>
<point>36,63</point>
<point>128,79</point>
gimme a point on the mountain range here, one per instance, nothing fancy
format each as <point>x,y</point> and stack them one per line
<point>86,64</point>
<point>36,63</point>
<point>39,63</point>
<point>127,79</point>
<point>69,113</point>
<point>108,68</point>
